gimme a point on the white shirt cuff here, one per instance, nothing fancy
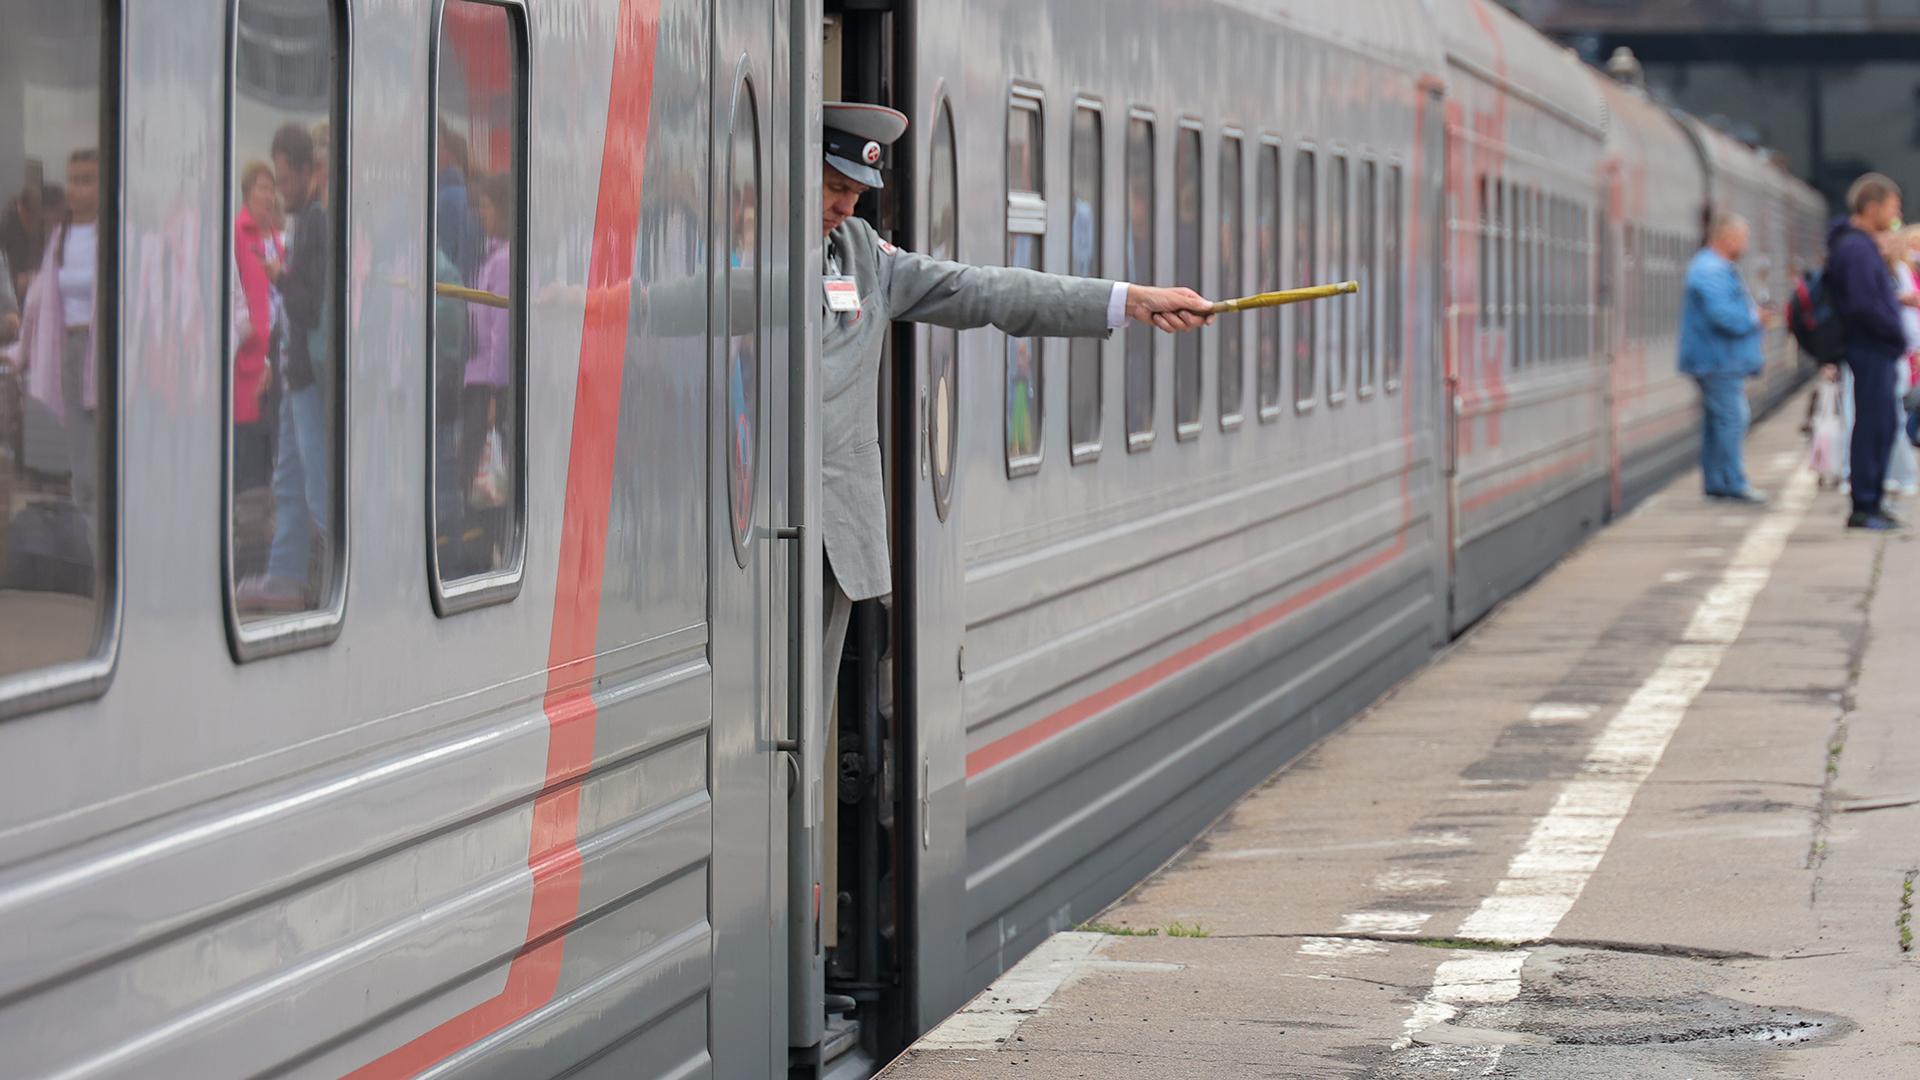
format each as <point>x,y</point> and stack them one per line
<point>1117,306</point>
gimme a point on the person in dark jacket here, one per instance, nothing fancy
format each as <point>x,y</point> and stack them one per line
<point>1863,297</point>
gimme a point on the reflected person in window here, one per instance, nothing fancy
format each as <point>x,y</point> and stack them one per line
<point>301,466</point>
<point>59,347</point>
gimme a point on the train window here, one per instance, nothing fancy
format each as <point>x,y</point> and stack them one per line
<point>1395,281</point>
<point>1232,283</point>
<point>1367,271</point>
<point>59,524</point>
<point>1536,276</point>
<point>477,470</point>
<point>1340,266</point>
<point>1083,258</point>
<point>1522,235</point>
<point>1558,267</point>
<point>287,363</point>
<point>1306,238</point>
<point>1486,256</point>
<point>1629,269</point>
<point>943,343</point>
<point>1026,242</point>
<point>1186,270</point>
<point>1268,237</point>
<point>1502,237</point>
<point>742,299</point>
<point>1140,267</point>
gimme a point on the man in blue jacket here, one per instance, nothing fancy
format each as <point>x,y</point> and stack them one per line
<point>1720,349</point>
<point>1861,288</point>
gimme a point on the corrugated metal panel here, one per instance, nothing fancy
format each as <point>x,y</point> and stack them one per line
<point>1398,30</point>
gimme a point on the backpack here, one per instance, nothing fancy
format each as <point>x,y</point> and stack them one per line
<point>1814,323</point>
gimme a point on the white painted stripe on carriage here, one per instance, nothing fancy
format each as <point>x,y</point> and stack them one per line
<point>1555,712</point>
<point>1547,876</point>
<point>1024,990</point>
<point>1384,922</point>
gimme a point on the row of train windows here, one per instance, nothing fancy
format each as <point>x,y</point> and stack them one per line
<point>1534,272</point>
<point>1655,265</point>
<point>283,331</point>
<point>1356,341</point>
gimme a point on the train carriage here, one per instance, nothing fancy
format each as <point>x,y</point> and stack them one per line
<point>408,660</point>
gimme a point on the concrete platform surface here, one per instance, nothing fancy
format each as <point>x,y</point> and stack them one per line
<point>1657,817</point>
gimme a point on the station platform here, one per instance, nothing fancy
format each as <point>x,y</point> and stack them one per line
<point>1658,816</point>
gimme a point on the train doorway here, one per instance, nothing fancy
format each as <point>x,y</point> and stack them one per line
<point>862,1007</point>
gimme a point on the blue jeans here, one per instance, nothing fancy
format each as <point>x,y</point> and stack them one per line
<point>1723,427</point>
<point>300,486</point>
<point>1875,425</point>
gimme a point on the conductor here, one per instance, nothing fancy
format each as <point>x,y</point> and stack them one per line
<point>868,283</point>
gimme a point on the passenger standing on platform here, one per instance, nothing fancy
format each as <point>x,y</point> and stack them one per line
<point>58,344</point>
<point>1720,349</point>
<point>1862,291</point>
<point>1903,472</point>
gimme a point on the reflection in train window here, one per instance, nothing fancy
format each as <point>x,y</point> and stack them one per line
<point>1186,271</point>
<point>1306,237</point>
<point>1522,275</point>
<point>744,260</point>
<point>943,344</point>
<point>58,362</point>
<point>1368,204</point>
<point>1393,336</point>
<point>1083,259</point>
<point>1232,373</point>
<point>1140,267</point>
<point>1339,311</point>
<point>1537,254</point>
<point>287,367</point>
<point>1486,256</point>
<point>1267,254</point>
<point>479,342</point>
<point>1026,241</point>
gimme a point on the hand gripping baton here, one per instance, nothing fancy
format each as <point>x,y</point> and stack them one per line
<point>1284,296</point>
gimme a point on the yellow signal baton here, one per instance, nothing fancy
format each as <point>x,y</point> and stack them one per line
<point>471,296</point>
<point>1285,296</point>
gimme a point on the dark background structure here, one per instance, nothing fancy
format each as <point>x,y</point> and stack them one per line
<point>1832,85</point>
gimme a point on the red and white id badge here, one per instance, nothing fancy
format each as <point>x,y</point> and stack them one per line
<point>843,294</point>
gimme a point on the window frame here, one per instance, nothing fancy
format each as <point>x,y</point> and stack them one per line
<point>68,682</point>
<point>1234,330</point>
<point>1308,150</point>
<point>1140,441</point>
<point>1270,320</point>
<point>1078,452</point>
<point>313,627</point>
<point>1190,131</point>
<point>1366,237</point>
<point>940,485</point>
<point>1393,357</point>
<point>503,585</point>
<point>1025,98</point>
<point>1339,184</point>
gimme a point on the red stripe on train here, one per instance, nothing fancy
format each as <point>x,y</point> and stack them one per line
<point>553,855</point>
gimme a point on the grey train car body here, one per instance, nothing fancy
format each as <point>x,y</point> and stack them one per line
<point>553,832</point>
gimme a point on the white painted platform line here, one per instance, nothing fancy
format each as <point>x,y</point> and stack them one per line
<point>1546,877</point>
<point>1024,990</point>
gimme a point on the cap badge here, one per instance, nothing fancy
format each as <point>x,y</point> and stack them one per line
<point>871,153</point>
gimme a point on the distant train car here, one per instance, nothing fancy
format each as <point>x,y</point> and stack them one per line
<point>409,552</point>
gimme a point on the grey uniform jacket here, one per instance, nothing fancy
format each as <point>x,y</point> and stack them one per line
<point>900,285</point>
